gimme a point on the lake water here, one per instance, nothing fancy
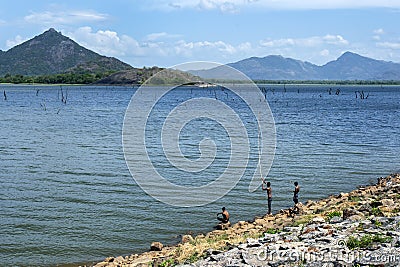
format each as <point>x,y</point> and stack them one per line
<point>67,195</point>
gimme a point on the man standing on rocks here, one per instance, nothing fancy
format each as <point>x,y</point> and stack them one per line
<point>269,194</point>
<point>296,193</point>
<point>225,216</point>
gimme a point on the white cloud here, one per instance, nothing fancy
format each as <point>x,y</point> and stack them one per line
<point>379,31</point>
<point>334,40</point>
<point>207,4</point>
<point>389,45</point>
<point>324,53</point>
<point>229,8</point>
<point>64,17</point>
<point>245,47</point>
<point>16,41</point>
<point>313,41</point>
<point>161,36</point>
<point>106,42</point>
<point>189,49</point>
<point>160,48</point>
<point>235,5</point>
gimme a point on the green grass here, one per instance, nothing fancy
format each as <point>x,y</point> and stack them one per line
<point>217,238</point>
<point>366,241</point>
<point>193,258</point>
<point>303,220</point>
<point>354,198</point>
<point>376,212</point>
<point>168,263</point>
<point>332,214</point>
<point>272,231</point>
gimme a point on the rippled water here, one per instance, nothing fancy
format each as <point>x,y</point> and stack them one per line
<point>67,195</point>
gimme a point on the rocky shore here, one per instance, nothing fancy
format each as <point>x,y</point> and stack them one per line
<point>360,228</point>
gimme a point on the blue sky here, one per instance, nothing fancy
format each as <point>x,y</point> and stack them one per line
<point>169,32</point>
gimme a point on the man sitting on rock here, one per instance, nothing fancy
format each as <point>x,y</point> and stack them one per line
<point>225,216</point>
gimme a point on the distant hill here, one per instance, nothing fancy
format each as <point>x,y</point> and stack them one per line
<point>53,53</point>
<point>349,66</point>
<point>139,76</point>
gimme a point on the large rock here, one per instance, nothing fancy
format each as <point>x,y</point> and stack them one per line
<point>156,246</point>
<point>387,202</point>
<point>347,213</point>
<point>318,220</point>
<point>187,239</point>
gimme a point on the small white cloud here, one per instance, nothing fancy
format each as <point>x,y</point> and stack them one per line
<point>174,5</point>
<point>16,41</point>
<point>324,53</point>
<point>229,8</point>
<point>189,48</point>
<point>245,47</point>
<point>389,45</point>
<point>335,40</point>
<point>64,17</point>
<point>313,41</point>
<point>278,42</point>
<point>206,4</point>
<point>379,31</point>
<point>225,6</point>
<point>162,36</point>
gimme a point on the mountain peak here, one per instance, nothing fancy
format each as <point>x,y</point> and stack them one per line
<point>51,31</point>
<point>350,55</point>
<point>52,53</point>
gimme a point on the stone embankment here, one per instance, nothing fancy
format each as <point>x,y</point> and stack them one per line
<point>360,228</point>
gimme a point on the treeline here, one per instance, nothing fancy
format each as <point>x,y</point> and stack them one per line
<point>330,82</point>
<point>64,78</point>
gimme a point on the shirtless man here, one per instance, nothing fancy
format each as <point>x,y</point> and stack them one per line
<point>269,194</point>
<point>296,193</point>
<point>225,215</point>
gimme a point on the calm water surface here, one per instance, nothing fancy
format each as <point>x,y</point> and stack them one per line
<point>67,195</point>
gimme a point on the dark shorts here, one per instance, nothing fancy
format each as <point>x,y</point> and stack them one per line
<point>223,220</point>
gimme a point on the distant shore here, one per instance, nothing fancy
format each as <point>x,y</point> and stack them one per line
<point>365,220</point>
<point>216,81</point>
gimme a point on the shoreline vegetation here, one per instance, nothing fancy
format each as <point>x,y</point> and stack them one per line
<point>267,82</point>
<point>359,228</point>
<point>140,76</point>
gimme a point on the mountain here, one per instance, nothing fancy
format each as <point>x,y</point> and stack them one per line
<point>349,66</point>
<point>53,53</point>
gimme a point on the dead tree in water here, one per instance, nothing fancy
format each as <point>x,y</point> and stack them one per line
<point>63,98</point>
<point>43,105</point>
<point>361,94</point>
